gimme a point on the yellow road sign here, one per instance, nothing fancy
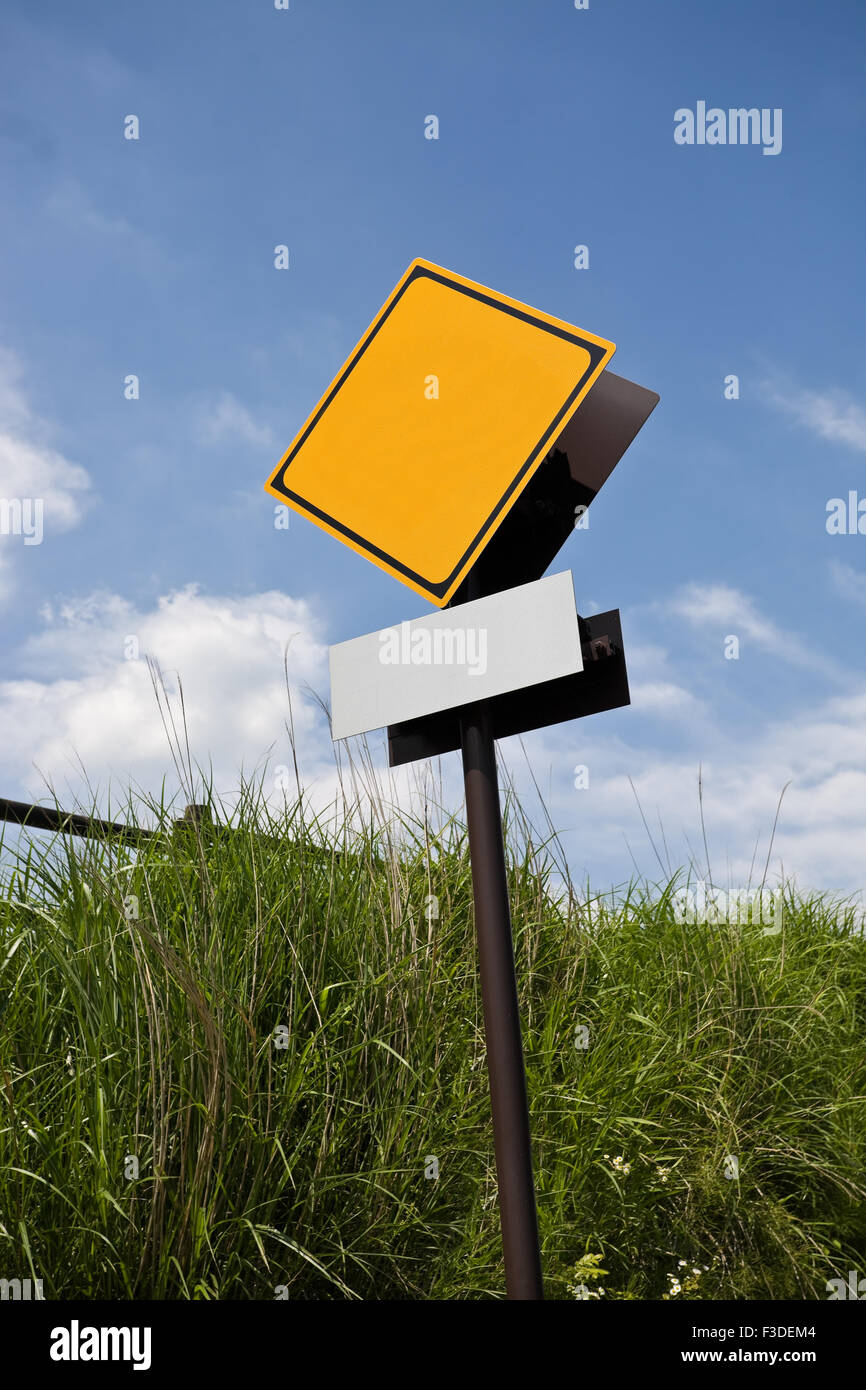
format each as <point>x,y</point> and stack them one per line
<point>435,424</point>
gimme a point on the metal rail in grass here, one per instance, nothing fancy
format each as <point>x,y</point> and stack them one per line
<point>34,817</point>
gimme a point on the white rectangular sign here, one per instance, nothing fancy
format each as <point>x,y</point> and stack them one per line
<point>487,647</point>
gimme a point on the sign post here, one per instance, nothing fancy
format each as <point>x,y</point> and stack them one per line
<point>457,449</point>
<point>505,1068</point>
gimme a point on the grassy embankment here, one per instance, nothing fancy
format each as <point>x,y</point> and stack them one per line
<point>278,1033</point>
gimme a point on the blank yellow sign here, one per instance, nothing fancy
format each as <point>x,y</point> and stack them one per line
<point>435,424</point>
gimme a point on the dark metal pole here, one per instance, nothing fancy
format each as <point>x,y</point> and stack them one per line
<point>501,1017</point>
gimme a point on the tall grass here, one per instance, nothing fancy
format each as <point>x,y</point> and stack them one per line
<point>228,1058</point>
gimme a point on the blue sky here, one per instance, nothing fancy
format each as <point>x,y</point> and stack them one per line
<point>306,127</point>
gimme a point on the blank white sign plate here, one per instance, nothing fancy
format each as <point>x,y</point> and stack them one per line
<point>493,645</point>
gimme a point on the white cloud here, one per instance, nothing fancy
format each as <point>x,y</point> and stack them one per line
<point>34,478</point>
<point>662,698</point>
<point>729,611</point>
<point>228,420</point>
<point>83,703</point>
<point>86,704</point>
<point>831,415</point>
<point>653,683</point>
<point>86,721</point>
<point>820,751</point>
<point>819,839</point>
<point>848,582</point>
<point>14,409</point>
<point>72,205</point>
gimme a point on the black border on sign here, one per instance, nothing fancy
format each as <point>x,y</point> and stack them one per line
<point>596,353</point>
